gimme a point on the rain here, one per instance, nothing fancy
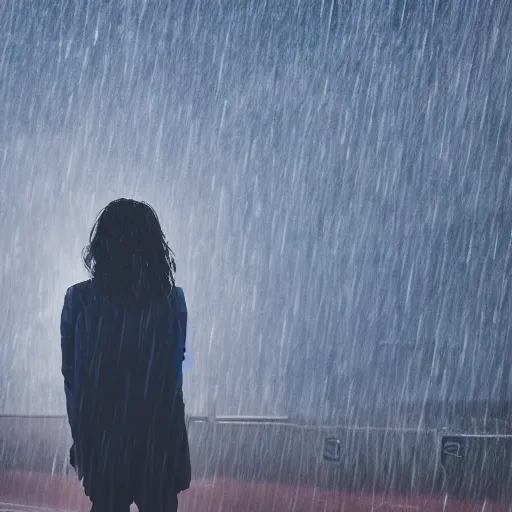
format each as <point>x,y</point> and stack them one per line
<point>335,180</point>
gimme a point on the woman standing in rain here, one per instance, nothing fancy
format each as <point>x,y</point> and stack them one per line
<point>123,343</point>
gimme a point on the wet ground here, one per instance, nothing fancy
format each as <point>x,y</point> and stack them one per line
<point>39,491</point>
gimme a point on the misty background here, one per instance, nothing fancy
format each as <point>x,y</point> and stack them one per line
<point>333,176</point>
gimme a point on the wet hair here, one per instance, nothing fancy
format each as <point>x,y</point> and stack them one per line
<point>128,256</point>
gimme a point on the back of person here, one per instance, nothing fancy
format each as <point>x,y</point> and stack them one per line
<point>122,353</point>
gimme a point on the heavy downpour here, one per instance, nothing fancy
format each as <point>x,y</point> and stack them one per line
<point>334,178</point>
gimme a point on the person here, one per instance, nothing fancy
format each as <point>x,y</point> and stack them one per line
<point>123,335</point>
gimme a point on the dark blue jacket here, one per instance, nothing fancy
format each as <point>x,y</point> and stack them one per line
<point>122,369</point>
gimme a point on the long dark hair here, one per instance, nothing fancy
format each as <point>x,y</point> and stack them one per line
<point>128,256</point>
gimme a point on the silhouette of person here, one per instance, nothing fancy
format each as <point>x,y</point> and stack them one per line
<point>123,344</point>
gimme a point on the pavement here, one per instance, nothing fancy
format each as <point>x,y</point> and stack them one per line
<point>41,492</point>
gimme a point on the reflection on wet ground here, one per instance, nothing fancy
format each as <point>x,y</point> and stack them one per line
<point>31,492</point>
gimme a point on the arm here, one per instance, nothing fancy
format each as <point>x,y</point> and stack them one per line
<point>183,321</point>
<point>183,314</point>
<point>67,338</point>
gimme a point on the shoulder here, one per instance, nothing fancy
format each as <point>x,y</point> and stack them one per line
<point>180,294</point>
<point>74,296</point>
<point>82,285</point>
<point>78,290</point>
